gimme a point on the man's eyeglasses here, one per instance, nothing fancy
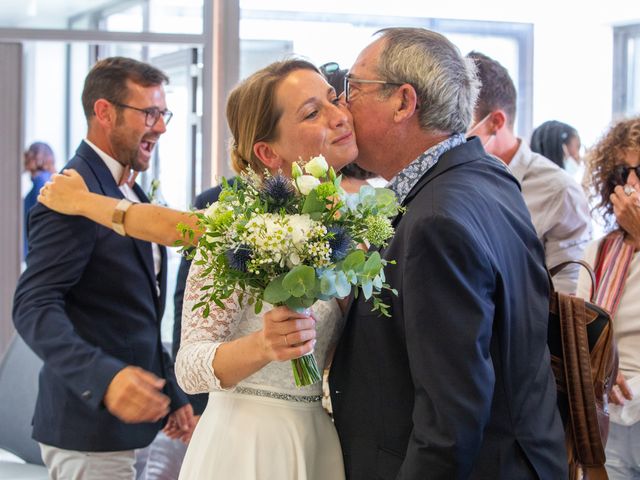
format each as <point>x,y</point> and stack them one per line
<point>348,79</point>
<point>152,114</point>
<point>620,174</point>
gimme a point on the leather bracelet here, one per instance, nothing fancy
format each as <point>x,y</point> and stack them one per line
<point>117,220</point>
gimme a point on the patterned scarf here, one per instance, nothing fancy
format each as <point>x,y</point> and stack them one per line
<point>612,266</point>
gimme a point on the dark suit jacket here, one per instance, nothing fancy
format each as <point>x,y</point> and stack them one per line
<point>206,198</point>
<point>457,384</point>
<point>87,305</point>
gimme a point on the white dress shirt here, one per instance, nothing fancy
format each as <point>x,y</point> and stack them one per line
<point>559,212</point>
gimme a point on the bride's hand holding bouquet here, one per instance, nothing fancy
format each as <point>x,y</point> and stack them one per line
<point>293,241</point>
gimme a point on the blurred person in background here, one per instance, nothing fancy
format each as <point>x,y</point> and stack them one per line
<point>560,143</point>
<point>614,178</point>
<point>40,164</point>
<point>557,204</point>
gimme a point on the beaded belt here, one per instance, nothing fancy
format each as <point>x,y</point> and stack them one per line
<point>278,396</point>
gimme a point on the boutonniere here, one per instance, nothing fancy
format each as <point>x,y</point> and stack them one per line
<point>154,194</point>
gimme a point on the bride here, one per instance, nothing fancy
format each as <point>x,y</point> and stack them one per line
<point>257,423</point>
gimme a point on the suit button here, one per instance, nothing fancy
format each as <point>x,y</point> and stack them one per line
<point>86,395</point>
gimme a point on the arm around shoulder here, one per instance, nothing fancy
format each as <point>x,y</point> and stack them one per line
<point>67,193</point>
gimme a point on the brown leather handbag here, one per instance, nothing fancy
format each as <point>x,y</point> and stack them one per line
<point>584,359</point>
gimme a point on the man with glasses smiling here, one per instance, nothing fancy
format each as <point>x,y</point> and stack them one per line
<point>458,382</point>
<point>90,300</point>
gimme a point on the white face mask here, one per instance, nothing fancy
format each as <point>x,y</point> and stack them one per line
<point>574,168</point>
<point>471,131</point>
<point>474,128</point>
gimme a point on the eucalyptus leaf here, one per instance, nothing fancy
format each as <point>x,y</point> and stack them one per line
<point>354,261</point>
<point>296,303</point>
<point>328,283</point>
<point>367,289</point>
<point>300,280</point>
<point>275,292</point>
<point>343,286</point>
<point>313,203</point>
<point>373,264</point>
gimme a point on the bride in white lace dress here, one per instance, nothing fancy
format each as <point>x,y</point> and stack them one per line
<point>263,426</point>
<point>257,424</point>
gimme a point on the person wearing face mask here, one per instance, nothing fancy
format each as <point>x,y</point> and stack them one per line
<point>558,207</point>
<point>613,167</point>
<point>560,143</point>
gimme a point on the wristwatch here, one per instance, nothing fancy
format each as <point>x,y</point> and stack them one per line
<point>117,220</point>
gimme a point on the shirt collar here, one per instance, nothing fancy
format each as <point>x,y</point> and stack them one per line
<point>115,167</point>
<point>402,183</point>
<point>519,164</point>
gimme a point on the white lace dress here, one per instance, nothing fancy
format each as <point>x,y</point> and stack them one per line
<point>265,427</point>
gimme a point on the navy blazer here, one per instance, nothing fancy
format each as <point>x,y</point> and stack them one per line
<point>88,305</point>
<point>457,384</point>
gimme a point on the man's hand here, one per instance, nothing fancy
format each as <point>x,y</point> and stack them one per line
<point>181,424</point>
<point>135,396</point>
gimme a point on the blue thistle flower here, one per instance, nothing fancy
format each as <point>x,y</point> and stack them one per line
<point>339,241</point>
<point>239,257</point>
<point>277,190</point>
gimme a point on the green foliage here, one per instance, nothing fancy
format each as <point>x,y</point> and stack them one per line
<point>273,248</point>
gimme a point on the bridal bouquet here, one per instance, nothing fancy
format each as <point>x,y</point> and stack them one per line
<point>293,241</point>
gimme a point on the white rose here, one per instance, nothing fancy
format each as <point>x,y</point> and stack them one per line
<point>306,183</point>
<point>317,166</point>
<point>294,259</point>
<point>300,225</point>
<point>212,210</point>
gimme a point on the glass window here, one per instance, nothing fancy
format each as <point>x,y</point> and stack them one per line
<point>267,35</point>
<point>159,16</point>
<point>126,20</point>
<point>45,14</point>
<point>175,16</point>
<point>626,68</point>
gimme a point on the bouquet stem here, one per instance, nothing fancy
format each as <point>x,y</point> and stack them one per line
<point>305,370</point>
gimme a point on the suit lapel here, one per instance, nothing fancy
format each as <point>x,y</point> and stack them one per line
<point>109,187</point>
<point>146,253</point>
<point>467,152</point>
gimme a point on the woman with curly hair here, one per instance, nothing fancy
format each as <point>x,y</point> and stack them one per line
<point>614,171</point>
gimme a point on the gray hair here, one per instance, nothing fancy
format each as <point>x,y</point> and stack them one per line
<point>446,82</point>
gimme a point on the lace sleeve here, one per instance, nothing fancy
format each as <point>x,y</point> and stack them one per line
<point>201,336</point>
